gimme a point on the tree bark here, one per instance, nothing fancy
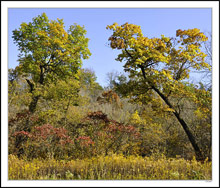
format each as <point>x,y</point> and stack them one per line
<point>191,137</point>
<point>33,104</point>
<point>199,155</point>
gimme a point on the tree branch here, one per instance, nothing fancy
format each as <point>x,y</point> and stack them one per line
<point>31,85</point>
<point>179,72</point>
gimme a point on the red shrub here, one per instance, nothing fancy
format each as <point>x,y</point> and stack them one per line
<point>85,140</point>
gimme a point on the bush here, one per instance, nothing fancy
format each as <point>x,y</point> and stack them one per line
<point>44,142</point>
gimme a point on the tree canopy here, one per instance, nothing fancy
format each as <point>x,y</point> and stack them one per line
<point>162,66</point>
<point>49,53</point>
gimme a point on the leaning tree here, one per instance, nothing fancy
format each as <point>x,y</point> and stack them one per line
<point>161,65</point>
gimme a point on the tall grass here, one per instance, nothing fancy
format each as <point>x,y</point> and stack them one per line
<point>112,167</point>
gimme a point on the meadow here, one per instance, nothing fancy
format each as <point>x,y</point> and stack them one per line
<point>112,167</point>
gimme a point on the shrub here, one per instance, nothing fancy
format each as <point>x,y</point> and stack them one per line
<point>45,141</point>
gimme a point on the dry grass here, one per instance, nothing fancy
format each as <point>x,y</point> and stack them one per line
<point>112,167</point>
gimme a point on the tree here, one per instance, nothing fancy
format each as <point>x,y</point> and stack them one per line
<point>48,53</point>
<point>110,79</point>
<point>161,66</point>
<point>208,72</point>
<point>63,94</point>
<point>88,83</point>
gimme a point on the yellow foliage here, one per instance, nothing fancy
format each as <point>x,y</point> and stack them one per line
<point>111,167</point>
<point>136,119</point>
<point>169,110</point>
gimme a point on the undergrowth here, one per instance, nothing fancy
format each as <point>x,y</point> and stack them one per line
<point>111,167</point>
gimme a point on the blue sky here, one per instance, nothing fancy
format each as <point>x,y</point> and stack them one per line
<point>153,22</point>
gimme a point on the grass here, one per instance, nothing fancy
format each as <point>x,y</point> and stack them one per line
<point>112,167</point>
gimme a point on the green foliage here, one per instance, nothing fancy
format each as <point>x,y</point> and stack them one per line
<point>158,69</point>
<point>63,94</point>
<point>49,54</point>
<point>88,84</point>
<point>44,44</point>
